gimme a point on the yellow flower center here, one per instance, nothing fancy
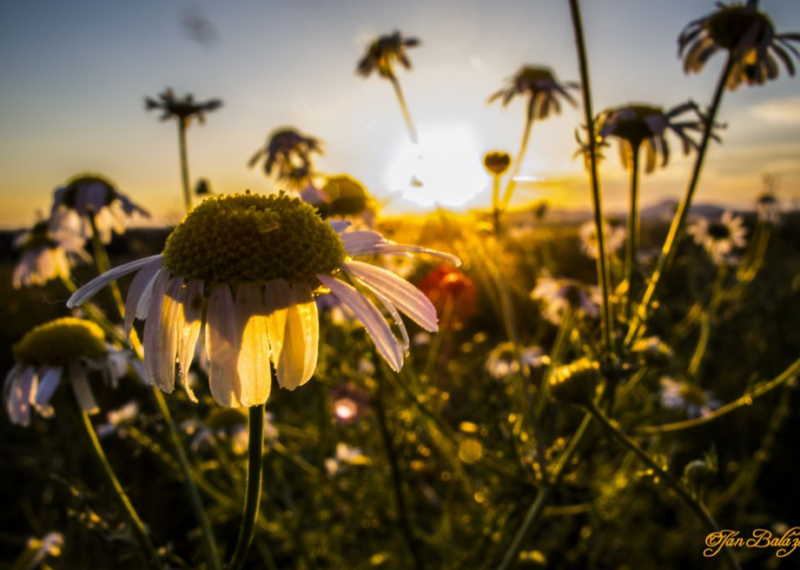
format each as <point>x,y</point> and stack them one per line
<point>249,237</point>
<point>60,342</point>
<point>347,195</point>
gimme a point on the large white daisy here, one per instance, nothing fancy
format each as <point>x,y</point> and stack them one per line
<point>241,273</point>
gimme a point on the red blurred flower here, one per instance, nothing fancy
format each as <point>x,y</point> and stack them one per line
<point>453,294</point>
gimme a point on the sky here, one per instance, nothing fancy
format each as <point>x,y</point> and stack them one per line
<point>73,77</point>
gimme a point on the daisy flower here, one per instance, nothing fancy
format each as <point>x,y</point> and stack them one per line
<point>181,109</point>
<point>503,360</point>
<point>614,234</point>
<point>720,238</point>
<point>116,420</point>
<point>345,456</point>
<point>342,196</point>
<point>558,295</point>
<point>46,254</point>
<point>228,424</point>
<point>749,37</point>
<point>288,152</point>
<point>381,56</point>
<point>88,199</point>
<point>637,125</point>
<point>683,396</point>
<point>65,349</point>
<point>38,550</point>
<point>244,269</point>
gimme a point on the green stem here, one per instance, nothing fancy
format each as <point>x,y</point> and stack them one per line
<point>496,204</point>
<point>677,228</point>
<point>397,481</point>
<point>694,504</point>
<point>187,193</point>
<point>104,264</point>
<point>135,523</point>
<point>633,230</point>
<point>523,148</point>
<point>412,132</point>
<point>603,276</point>
<point>747,400</point>
<point>252,496</point>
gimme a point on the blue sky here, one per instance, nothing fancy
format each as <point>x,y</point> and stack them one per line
<point>73,76</point>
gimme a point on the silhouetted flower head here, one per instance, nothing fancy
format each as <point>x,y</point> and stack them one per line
<point>720,238</point>
<point>247,268</point>
<point>575,383</point>
<point>453,294</point>
<point>88,196</point>
<point>46,254</point>
<point>749,37</point>
<point>383,52</point>
<point>289,153</point>
<point>769,210</point>
<point>341,196</point>
<point>637,125</point>
<point>183,109</point>
<point>541,85</point>
<point>67,349</point>
<point>497,162</point>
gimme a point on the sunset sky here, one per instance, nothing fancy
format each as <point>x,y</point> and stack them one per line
<point>73,76</point>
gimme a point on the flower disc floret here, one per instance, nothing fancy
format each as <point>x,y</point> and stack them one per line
<point>61,342</point>
<point>248,237</point>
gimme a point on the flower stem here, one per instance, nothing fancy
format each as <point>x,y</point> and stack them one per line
<point>633,230</point>
<point>678,226</point>
<point>397,481</point>
<point>104,264</point>
<point>523,148</point>
<point>187,193</point>
<point>412,132</point>
<point>496,203</point>
<point>602,258</point>
<point>136,524</point>
<point>694,504</point>
<point>252,496</point>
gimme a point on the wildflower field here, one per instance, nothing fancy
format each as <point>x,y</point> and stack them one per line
<point>304,379</point>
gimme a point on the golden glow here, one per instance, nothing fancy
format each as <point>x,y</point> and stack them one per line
<point>445,168</point>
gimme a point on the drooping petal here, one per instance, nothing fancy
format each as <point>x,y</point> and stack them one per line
<point>81,389</point>
<point>47,387</point>
<point>92,287</point>
<point>137,288</point>
<point>191,319</point>
<point>160,368</point>
<point>294,323</point>
<point>222,344</point>
<point>339,225</point>
<point>400,292</point>
<point>277,300</point>
<point>255,377</point>
<point>370,317</point>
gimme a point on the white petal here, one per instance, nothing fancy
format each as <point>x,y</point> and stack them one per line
<point>138,286</point>
<point>277,300</point>
<point>192,304</point>
<point>8,389</point>
<point>298,358</point>
<point>82,390</point>
<point>92,287</point>
<point>400,292</point>
<point>372,243</point>
<point>359,240</point>
<point>47,387</point>
<point>370,317</point>
<point>160,336</point>
<point>222,344</point>
<point>255,376</point>
<point>339,225</point>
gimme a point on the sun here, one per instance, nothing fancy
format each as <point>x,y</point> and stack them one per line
<point>444,169</point>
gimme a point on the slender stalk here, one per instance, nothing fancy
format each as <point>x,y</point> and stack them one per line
<point>412,132</point>
<point>397,481</point>
<point>746,400</point>
<point>104,264</point>
<point>187,193</point>
<point>633,230</point>
<point>602,259</point>
<point>523,148</point>
<point>694,504</point>
<point>496,203</point>
<point>252,496</point>
<point>678,226</point>
<point>135,523</point>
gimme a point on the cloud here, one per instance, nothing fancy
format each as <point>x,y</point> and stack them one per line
<point>786,111</point>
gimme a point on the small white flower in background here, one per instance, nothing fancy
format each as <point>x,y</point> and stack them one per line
<point>614,235</point>
<point>118,419</point>
<point>720,238</point>
<point>261,260</point>
<point>683,396</point>
<point>769,211</point>
<point>421,339</point>
<point>227,425</point>
<point>46,254</point>
<point>345,456</point>
<point>504,361</point>
<point>559,295</point>
<point>38,549</point>
<point>63,349</point>
<point>89,196</point>
<point>653,350</point>
<point>366,367</point>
